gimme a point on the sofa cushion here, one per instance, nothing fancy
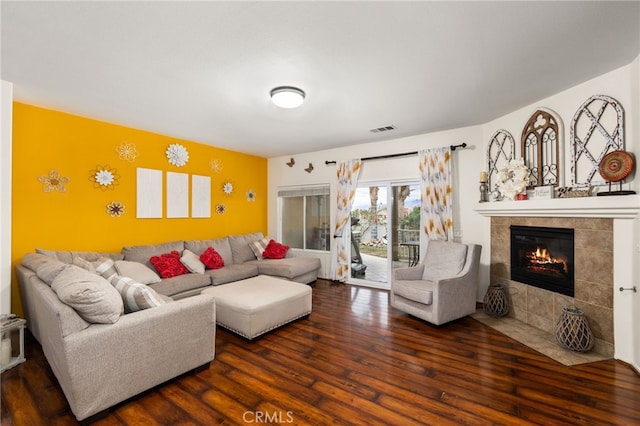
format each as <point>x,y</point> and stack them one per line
<point>192,262</point>
<point>232,273</point>
<point>92,296</point>
<point>289,267</point>
<point>220,244</point>
<point>212,259</point>
<point>275,250</point>
<point>143,253</point>
<point>181,284</point>
<point>136,296</point>
<point>240,249</point>
<point>258,246</point>
<point>138,271</point>
<point>168,265</point>
<point>444,259</point>
<point>415,290</point>
<point>67,256</point>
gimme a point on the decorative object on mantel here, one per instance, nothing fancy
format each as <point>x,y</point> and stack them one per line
<point>573,331</point>
<point>542,148</point>
<point>588,146</point>
<point>513,179</point>
<point>177,154</point>
<point>495,194</point>
<point>309,169</point>
<point>541,193</point>
<point>495,302</point>
<point>616,166</point>
<point>53,182</point>
<point>569,192</point>
<point>104,177</point>
<point>291,162</point>
<point>127,151</point>
<point>251,195</point>
<point>484,188</point>
<point>115,209</point>
<point>501,150</point>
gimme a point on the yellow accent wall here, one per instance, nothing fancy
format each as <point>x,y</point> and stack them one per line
<point>45,140</point>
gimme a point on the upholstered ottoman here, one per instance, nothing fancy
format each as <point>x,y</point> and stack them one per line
<point>253,306</point>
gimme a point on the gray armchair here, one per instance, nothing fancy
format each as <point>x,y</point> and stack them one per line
<point>443,287</point>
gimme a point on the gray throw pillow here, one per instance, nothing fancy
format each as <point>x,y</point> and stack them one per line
<point>93,297</point>
<point>444,259</point>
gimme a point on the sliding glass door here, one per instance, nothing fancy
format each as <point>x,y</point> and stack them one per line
<point>385,229</point>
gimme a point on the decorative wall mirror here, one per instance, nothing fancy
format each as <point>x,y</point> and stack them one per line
<point>501,150</point>
<point>541,148</point>
<point>597,128</point>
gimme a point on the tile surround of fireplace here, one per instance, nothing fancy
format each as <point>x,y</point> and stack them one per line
<point>593,276</point>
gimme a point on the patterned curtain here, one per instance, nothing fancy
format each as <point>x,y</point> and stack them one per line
<point>347,174</point>
<point>436,214</point>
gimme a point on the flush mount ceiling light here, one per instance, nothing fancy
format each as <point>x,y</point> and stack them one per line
<point>287,97</point>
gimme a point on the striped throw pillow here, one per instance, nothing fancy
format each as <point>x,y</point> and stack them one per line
<point>258,246</point>
<point>136,296</point>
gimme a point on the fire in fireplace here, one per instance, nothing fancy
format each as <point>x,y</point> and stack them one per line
<point>543,257</point>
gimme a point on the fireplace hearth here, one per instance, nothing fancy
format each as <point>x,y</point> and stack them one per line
<point>543,257</point>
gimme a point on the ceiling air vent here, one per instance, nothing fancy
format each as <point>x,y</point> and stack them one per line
<point>383,129</point>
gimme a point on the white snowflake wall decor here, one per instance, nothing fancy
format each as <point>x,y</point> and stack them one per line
<point>127,151</point>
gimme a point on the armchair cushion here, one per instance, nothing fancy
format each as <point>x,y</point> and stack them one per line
<point>444,259</point>
<point>418,291</point>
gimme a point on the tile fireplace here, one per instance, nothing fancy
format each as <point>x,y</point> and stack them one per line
<point>603,226</point>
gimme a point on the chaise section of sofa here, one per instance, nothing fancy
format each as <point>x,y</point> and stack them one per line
<point>101,364</point>
<point>293,268</point>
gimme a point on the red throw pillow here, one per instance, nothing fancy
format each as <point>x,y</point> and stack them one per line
<point>275,250</point>
<point>212,259</point>
<point>168,264</point>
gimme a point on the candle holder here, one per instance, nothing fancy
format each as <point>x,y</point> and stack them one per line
<point>484,192</point>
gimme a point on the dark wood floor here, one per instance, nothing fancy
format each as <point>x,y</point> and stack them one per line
<point>356,361</point>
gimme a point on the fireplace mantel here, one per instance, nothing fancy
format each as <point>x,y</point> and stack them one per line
<point>616,207</point>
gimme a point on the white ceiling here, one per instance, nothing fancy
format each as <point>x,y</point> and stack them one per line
<point>202,71</point>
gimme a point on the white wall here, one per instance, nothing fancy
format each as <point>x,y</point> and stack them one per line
<point>467,164</point>
<point>6,108</point>
<point>621,84</point>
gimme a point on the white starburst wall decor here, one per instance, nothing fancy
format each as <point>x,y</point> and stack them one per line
<point>177,154</point>
<point>227,188</point>
<point>104,177</point>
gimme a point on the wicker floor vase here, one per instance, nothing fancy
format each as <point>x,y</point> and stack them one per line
<point>573,331</point>
<point>495,301</point>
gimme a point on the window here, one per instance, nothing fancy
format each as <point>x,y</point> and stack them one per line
<point>304,217</point>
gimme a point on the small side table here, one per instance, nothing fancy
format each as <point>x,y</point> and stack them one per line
<point>11,333</point>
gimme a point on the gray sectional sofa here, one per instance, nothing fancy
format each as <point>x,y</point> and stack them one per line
<point>99,364</point>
